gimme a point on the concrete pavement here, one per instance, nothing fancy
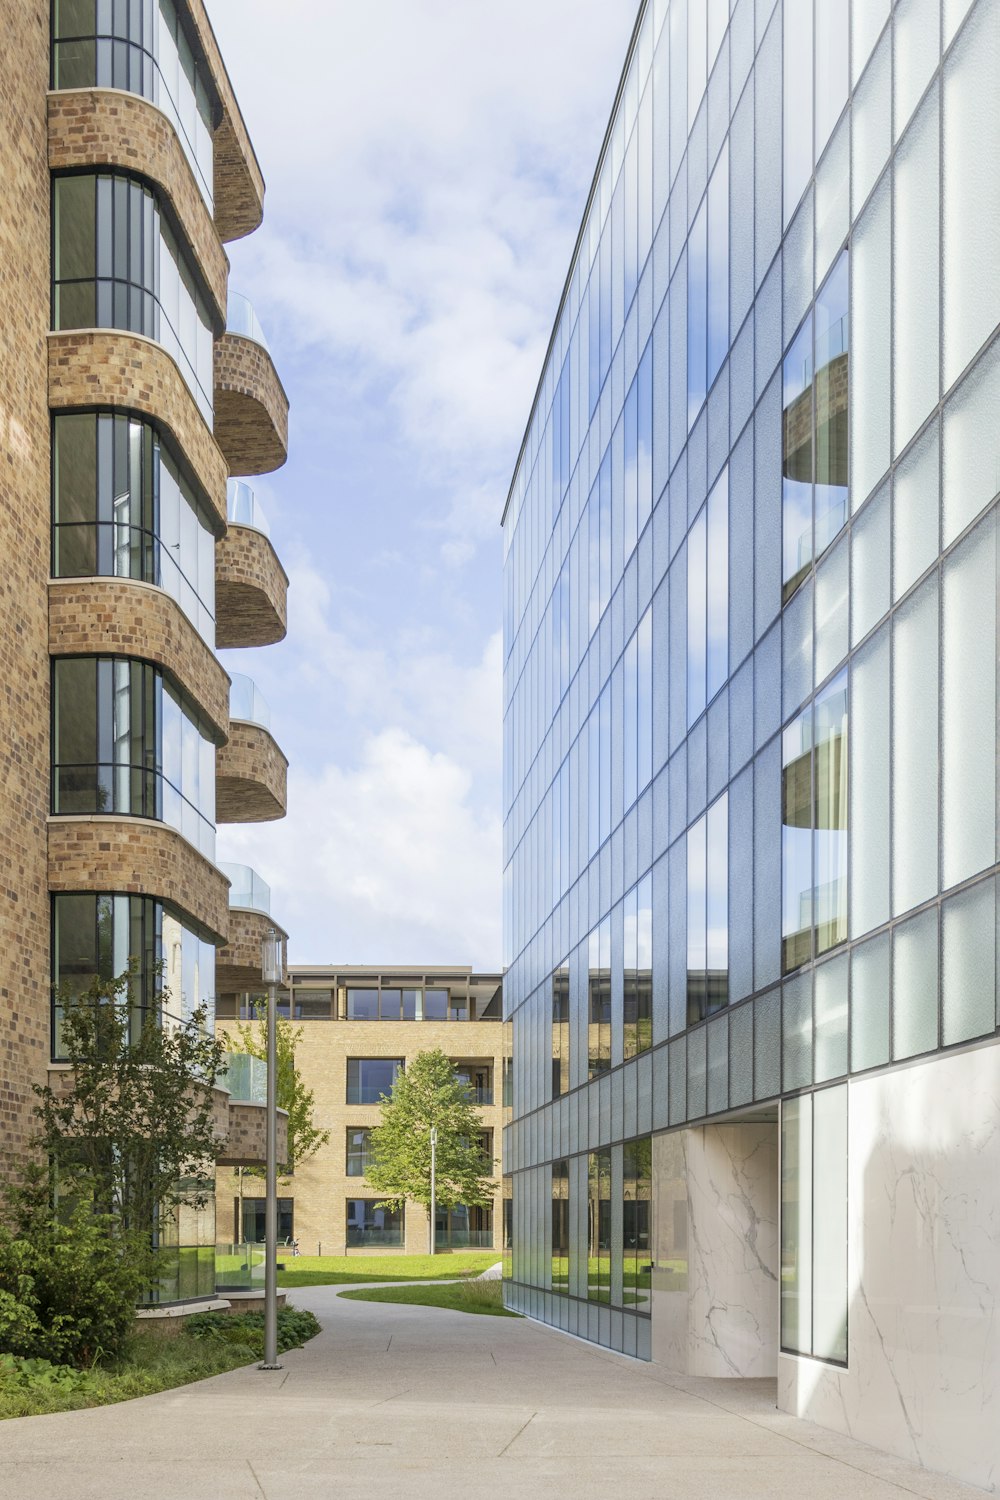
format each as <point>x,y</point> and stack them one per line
<point>420,1402</point>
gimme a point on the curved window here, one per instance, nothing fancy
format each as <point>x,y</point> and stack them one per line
<point>122,508</point>
<point>118,265</point>
<point>124,741</point>
<point>99,936</point>
<point>142,48</point>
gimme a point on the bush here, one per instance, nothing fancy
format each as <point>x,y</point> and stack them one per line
<point>67,1289</point>
<point>295,1328</point>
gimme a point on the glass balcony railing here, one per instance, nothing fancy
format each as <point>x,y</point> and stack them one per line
<point>239,1268</point>
<point>246,888</point>
<point>245,1078</point>
<point>244,509</point>
<point>241,319</point>
<point>462,1239</point>
<point>247,702</point>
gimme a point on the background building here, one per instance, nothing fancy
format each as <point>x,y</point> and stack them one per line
<point>750,725</point>
<point>359,1026</point>
<point>134,384</point>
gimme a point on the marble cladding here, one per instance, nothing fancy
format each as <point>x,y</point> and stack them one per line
<point>715,1232</point>
<point>923,1375</point>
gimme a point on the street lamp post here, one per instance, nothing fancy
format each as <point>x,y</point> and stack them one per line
<point>434,1141</point>
<point>272,976</point>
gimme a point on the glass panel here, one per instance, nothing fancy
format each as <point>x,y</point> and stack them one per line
<point>870,1004</point>
<point>832,615</point>
<point>796,1225</point>
<point>797,460</point>
<point>870,559</point>
<point>599,1226</point>
<point>798,102</point>
<point>831,400</point>
<point>871,376</point>
<point>916,274</point>
<point>797,843</point>
<point>831,1019</point>
<point>870,124</point>
<point>969,964</point>
<point>599,1000</point>
<point>560,1226</point>
<point>636,1244</point>
<point>971,446</point>
<point>560,1032</point>
<point>915,512</point>
<point>915,750</point>
<point>829,1229</point>
<point>915,986</point>
<point>830,774</point>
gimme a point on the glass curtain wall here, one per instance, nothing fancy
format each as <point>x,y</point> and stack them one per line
<point>145,49</point>
<point>123,508</point>
<point>117,264</point>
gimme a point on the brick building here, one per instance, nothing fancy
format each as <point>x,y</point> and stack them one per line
<point>136,393</point>
<point>359,1025</point>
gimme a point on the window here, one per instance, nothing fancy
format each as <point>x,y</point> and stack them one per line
<point>560,1226</point>
<point>814,828</point>
<point>708,601</point>
<point>637,1192</point>
<point>560,1032</point>
<point>368,1223</point>
<point>313,1005</point>
<point>125,742</point>
<point>144,49</point>
<point>118,265</point>
<point>638,705</point>
<point>369,1079</point>
<point>478,1082</point>
<point>96,936</point>
<point>253,1231</point>
<point>459,1226</point>
<point>599,1226</point>
<point>122,508</point>
<point>435,1005</point>
<point>815,452</point>
<point>358,1152</point>
<point>708,288</point>
<point>599,1000</point>
<point>814,1225</point>
<point>362,1005</point>
<point>638,991</point>
<point>708,913</point>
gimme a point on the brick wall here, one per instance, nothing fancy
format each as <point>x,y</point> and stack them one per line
<point>25,549</point>
<point>89,367</point>
<point>136,856</point>
<point>121,617</point>
<point>239,185</point>
<point>251,776</point>
<point>251,408</point>
<point>251,590</point>
<point>109,128</point>
<point>237,965</point>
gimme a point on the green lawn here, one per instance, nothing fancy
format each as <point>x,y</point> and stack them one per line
<point>340,1270</point>
<point>468,1297</point>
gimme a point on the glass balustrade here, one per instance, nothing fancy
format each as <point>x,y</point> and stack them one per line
<point>246,888</point>
<point>244,1078</point>
<point>247,702</point>
<point>244,509</point>
<point>241,319</point>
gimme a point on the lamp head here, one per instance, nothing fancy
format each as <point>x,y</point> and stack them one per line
<point>270,958</point>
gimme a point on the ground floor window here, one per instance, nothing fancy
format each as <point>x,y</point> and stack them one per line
<point>368,1223</point>
<point>253,1221</point>
<point>814,1225</point>
<point>459,1226</point>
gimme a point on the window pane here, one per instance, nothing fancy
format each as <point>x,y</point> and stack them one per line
<point>831,815</point>
<point>871,370</point>
<point>829,1334</point>
<point>916,280</point>
<point>915,512</point>
<point>915,750</point>
<point>796,1225</point>
<point>797,842</point>
<point>870,1004</point>
<point>915,985</point>
<point>969,964</point>
<point>831,1019</point>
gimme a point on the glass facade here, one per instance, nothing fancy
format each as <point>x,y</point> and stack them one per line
<point>143,48</point>
<point>117,264</point>
<point>99,936</point>
<point>125,741</point>
<point>750,630</point>
<point>122,507</point>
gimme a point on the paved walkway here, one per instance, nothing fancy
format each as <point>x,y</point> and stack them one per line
<point>418,1402</point>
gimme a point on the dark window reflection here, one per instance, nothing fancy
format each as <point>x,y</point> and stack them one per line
<point>637,1192</point>
<point>599,1226</point>
<point>708,913</point>
<point>638,986</point>
<point>599,1000</point>
<point>560,1226</point>
<point>371,1078</point>
<point>814,828</point>
<point>560,1032</point>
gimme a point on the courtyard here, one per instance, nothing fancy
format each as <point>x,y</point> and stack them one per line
<point>423,1402</point>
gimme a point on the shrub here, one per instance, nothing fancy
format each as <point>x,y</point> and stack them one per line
<point>295,1328</point>
<point>67,1288</point>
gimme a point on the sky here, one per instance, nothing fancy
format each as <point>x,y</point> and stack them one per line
<point>426,178</point>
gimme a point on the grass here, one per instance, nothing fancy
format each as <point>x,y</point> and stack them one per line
<point>340,1270</point>
<point>464,1296</point>
<point>148,1364</point>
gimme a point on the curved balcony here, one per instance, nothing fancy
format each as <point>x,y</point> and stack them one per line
<point>113,370</point>
<point>251,586</point>
<point>136,857</point>
<point>238,963</point>
<point>122,617</point>
<point>106,127</point>
<point>243,1128</point>
<point>251,408</point>
<point>251,774</point>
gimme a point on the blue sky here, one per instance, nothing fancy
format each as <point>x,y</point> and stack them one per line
<point>425,182</point>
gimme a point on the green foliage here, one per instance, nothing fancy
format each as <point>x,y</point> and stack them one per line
<point>426,1095</point>
<point>132,1123</point>
<point>304,1136</point>
<point>68,1286</point>
<point>485,1297</point>
<point>39,1375</point>
<point>296,1327</point>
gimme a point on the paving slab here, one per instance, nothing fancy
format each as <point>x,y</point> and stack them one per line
<point>426,1402</point>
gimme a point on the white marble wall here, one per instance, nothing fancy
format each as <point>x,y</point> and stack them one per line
<point>923,1376</point>
<point>715,1310</point>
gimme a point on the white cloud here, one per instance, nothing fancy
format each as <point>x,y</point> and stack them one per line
<point>388,859</point>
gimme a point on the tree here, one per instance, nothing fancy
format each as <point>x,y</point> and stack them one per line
<point>429,1094</point>
<point>133,1121</point>
<point>305,1137</point>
